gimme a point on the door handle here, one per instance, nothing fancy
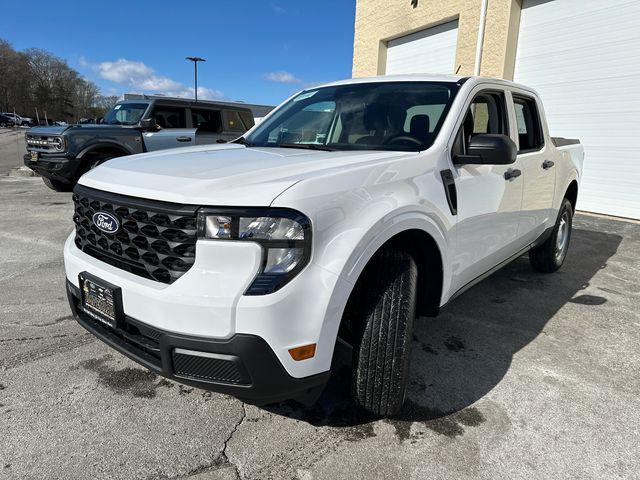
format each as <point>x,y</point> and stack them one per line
<point>512,173</point>
<point>547,164</point>
<point>184,139</point>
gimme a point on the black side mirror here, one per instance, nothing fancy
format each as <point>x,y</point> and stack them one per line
<point>147,124</point>
<point>489,149</point>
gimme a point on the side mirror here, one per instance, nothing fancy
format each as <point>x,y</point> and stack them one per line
<point>489,149</point>
<point>147,124</point>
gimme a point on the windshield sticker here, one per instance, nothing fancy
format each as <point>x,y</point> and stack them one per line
<point>117,107</point>
<point>305,95</point>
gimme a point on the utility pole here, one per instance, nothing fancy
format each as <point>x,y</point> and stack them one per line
<point>195,61</point>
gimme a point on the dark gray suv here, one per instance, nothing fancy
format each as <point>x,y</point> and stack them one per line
<point>139,123</point>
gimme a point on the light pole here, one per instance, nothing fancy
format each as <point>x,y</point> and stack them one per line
<point>195,61</point>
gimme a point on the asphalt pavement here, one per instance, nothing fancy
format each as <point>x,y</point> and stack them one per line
<point>12,148</point>
<point>525,376</point>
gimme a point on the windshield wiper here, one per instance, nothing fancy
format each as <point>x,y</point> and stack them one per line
<point>243,141</point>
<point>307,146</point>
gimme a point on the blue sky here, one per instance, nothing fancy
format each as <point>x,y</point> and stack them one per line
<point>256,51</point>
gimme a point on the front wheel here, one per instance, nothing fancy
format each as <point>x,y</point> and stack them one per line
<point>387,311</point>
<point>549,256</point>
<point>57,185</point>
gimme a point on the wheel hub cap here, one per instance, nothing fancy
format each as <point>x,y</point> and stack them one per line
<point>562,238</point>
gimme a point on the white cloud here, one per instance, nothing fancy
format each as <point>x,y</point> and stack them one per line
<point>282,77</point>
<point>157,83</point>
<point>124,71</point>
<point>142,78</point>
<point>204,93</point>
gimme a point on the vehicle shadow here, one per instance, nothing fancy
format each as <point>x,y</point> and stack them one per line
<point>461,355</point>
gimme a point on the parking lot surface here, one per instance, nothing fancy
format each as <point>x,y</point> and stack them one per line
<point>12,148</point>
<point>525,376</point>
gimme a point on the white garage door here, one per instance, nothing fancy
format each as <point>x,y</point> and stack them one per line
<point>428,51</point>
<point>583,57</point>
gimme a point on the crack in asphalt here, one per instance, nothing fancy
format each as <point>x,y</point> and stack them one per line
<point>29,339</point>
<point>223,454</point>
<point>73,341</point>
<point>40,325</point>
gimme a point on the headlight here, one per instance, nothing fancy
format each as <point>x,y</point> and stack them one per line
<point>285,237</point>
<point>57,143</point>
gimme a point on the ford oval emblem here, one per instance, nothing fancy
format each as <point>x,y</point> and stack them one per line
<point>106,222</point>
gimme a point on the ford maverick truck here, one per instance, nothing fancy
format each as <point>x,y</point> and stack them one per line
<point>349,213</point>
<point>138,124</point>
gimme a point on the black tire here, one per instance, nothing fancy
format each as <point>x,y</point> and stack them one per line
<point>381,356</point>
<point>57,185</point>
<point>549,256</point>
<point>93,160</point>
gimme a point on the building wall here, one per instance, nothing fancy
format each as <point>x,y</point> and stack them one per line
<point>378,21</point>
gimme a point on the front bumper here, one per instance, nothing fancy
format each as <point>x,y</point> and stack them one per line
<point>243,365</point>
<point>208,302</point>
<point>57,168</point>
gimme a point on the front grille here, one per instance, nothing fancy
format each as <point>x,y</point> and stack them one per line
<point>155,240</point>
<point>208,366</point>
<point>44,143</point>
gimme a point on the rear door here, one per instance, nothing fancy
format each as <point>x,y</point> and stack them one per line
<point>172,130</point>
<point>488,203</point>
<point>539,171</point>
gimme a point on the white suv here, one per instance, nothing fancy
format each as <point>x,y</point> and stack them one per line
<point>351,210</point>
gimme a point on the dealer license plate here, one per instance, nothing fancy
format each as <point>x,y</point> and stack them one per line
<point>98,302</point>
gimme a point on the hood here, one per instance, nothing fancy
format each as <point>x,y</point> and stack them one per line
<point>48,130</point>
<point>53,130</point>
<point>225,175</point>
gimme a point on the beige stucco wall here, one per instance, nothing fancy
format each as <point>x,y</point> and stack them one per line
<point>378,21</point>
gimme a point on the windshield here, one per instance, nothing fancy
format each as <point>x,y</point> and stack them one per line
<point>125,114</point>
<point>370,116</point>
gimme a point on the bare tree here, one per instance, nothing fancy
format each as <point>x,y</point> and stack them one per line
<point>37,79</point>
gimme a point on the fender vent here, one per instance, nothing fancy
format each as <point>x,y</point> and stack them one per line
<point>209,367</point>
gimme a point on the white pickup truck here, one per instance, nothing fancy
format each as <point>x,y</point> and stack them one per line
<point>351,210</point>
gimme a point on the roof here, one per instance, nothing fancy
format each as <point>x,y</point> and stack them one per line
<point>422,77</point>
<point>257,109</point>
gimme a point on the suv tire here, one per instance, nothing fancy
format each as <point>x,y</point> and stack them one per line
<point>57,185</point>
<point>92,160</point>
<point>381,357</point>
<point>549,256</point>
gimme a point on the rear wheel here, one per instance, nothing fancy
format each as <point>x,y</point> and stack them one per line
<point>57,185</point>
<point>550,256</point>
<point>387,309</point>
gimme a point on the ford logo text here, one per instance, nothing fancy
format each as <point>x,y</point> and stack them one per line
<point>106,222</point>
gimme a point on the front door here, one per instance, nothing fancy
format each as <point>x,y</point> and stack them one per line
<point>489,201</point>
<point>171,129</point>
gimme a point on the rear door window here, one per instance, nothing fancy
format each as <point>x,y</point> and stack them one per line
<point>529,127</point>
<point>206,120</point>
